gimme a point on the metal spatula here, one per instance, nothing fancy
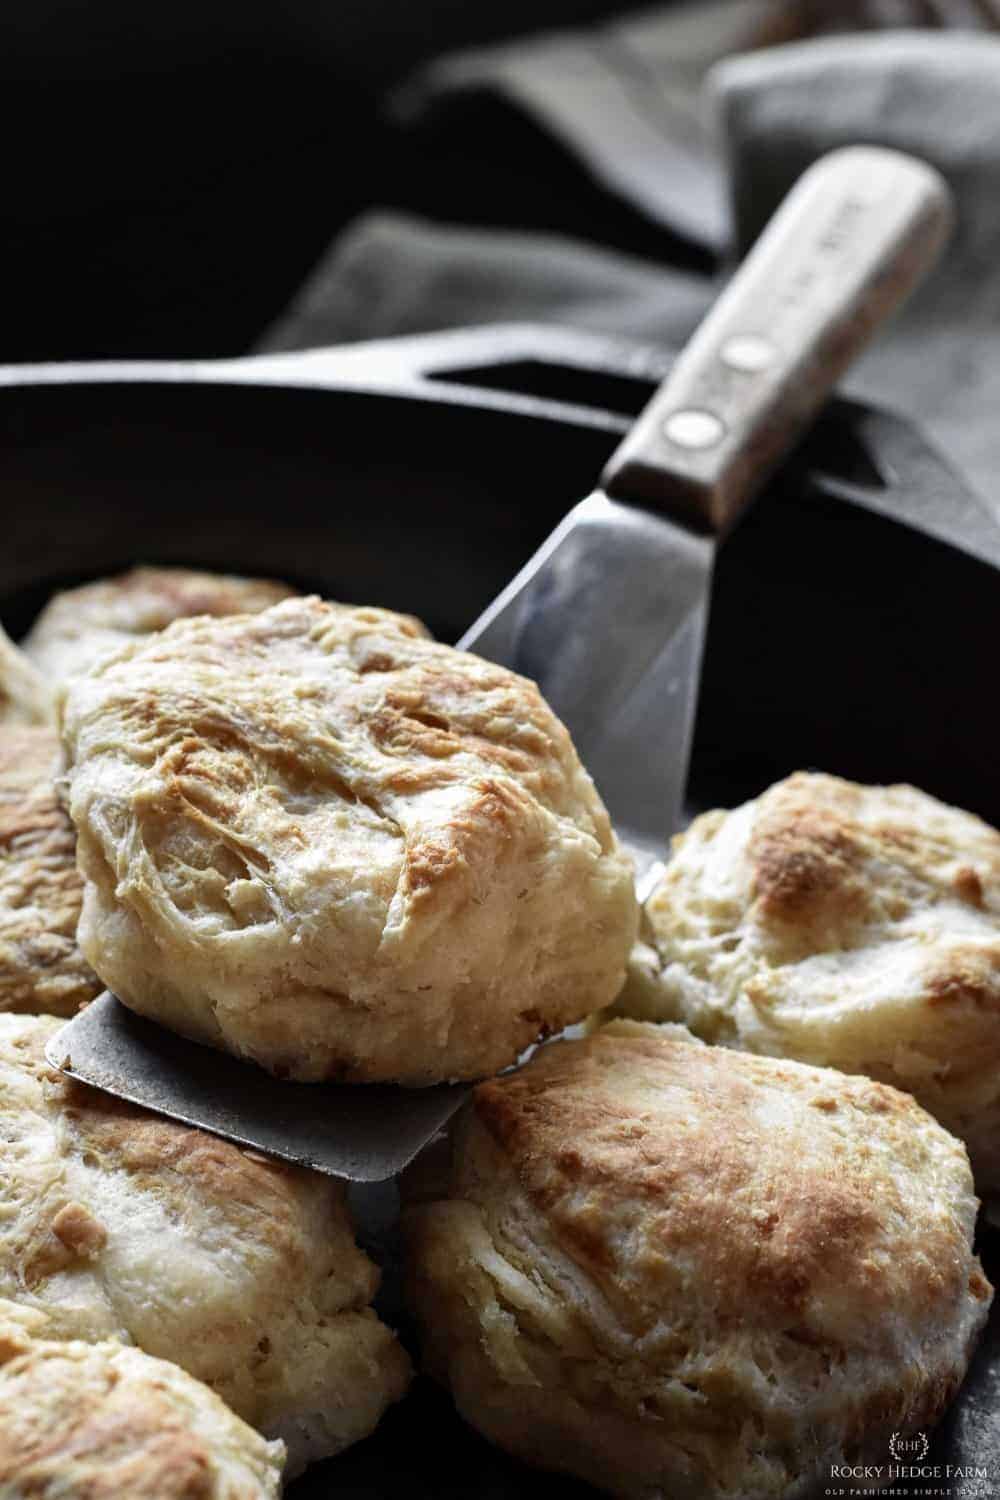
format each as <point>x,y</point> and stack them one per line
<point>608,617</point>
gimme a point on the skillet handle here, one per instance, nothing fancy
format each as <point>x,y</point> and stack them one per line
<point>857,232</point>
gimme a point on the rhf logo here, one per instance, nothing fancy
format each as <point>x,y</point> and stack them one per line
<point>914,1448</point>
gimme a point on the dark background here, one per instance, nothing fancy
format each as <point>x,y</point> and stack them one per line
<point>171,172</point>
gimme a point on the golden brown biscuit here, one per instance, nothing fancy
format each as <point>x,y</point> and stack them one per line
<point>25,696</point>
<point>119,1224</point>
<point>848,926</point>
<point>679,1270</point>
<point>318,839</point>
<point>79,626</point>
<point>107,1422</point>
<point>41,967</point>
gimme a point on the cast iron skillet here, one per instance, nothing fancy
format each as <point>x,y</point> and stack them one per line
<point>420,474</point>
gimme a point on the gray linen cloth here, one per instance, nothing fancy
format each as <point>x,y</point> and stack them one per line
<point>655,111</point>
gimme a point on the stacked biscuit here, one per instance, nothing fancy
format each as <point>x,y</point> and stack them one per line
<point>311,836</point>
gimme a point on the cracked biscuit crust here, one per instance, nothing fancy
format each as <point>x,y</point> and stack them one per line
<point>78,626</point>
<point>105,1422</point>
<point>848,926</point>
<point>320,840</point>
<point>115,1223</point>
<point>41,967</point>
<point>681,1270</point>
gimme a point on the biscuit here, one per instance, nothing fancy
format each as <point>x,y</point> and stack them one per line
<point>41,967</point>
<point>25,696</point>
<point>107,1422</point>
<point>679,1270</point>
<point>848,926</point>
<point>320,840</point>
<point>78,626</point>
<point>117,1224</point>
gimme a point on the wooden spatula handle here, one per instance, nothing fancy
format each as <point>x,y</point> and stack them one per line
<point>854,236</point>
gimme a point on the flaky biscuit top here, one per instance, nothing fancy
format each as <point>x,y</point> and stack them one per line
<point>318,807</point>
<point>849,926</point>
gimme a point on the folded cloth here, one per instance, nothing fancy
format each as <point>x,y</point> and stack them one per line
<point>662,132</point>
<point>593,134</point>
<point>939,98</point>
<point>393,274</point>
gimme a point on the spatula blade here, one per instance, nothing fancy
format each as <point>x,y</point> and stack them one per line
<point>609,619</point>
<point>364,1132</point>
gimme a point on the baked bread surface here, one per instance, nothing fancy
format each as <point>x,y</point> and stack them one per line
<point>78,626</point>
<point>41,966</point>
<point>318,839</point>
<point>119,1224</point>
<point>679,1270</point>
<point>849,926</point>
<point>25,695</point>
<point>106,1422</point>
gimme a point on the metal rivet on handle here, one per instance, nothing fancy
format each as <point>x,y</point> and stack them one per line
<point>693,428</point>
<point>747,352</point>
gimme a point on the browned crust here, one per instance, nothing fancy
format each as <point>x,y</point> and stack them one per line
<point>126,1446</point>
<point>41,967</point>
<point>100,1423</point>
<point>845,925</point>
<point>638,1147</point>
<point>969,978</point>
<point>815,838</point>
<point>806,862</point>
